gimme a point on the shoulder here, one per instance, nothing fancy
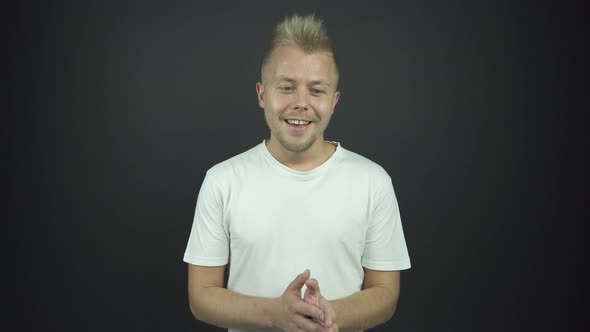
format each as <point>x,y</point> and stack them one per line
<point>363,165</point>
<point>237,165</point>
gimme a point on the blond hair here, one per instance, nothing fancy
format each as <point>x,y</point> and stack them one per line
<point>306,33</point>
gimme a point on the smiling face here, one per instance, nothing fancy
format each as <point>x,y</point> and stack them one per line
<point>298,95</point>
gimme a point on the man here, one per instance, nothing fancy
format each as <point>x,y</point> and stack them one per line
<point>294,206</point>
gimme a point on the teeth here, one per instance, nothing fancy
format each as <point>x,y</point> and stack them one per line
<point>298,122</point>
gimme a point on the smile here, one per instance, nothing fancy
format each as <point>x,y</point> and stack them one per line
<point>297,122</point>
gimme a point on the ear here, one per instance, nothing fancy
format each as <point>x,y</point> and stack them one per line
<point>260,93</point>
<point>336,98</point>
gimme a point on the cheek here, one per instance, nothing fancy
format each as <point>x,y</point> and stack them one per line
<point>277,104</point>
<point>324,108</point>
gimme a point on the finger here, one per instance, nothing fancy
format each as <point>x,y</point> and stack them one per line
<point>311,299</point>
<point>299,281</point>
<point>307,324</point>
<point>313,285</point>
<point>306,309</point>
<point>321,322</point>
<point>312,293</point>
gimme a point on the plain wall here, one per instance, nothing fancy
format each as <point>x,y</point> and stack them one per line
<point>117,109</point>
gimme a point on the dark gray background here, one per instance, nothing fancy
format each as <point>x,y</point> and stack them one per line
<point>117,109</point>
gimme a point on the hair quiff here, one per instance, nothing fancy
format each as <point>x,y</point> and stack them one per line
<point>306,33</point>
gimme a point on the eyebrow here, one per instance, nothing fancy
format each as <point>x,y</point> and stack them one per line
<point>291,80</point>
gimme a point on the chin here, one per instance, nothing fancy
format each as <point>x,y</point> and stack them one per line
<point>297,147</point>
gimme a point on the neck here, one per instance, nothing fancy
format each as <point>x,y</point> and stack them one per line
<point>302,161</point>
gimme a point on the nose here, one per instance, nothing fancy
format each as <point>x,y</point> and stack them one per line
<point>301,102</point>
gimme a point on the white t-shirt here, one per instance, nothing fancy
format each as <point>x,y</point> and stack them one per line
<point>271,222</point>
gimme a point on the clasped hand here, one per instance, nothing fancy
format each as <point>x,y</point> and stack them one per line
<point>313,313</point>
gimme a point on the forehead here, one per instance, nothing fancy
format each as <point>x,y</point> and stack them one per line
<point>296,64</point>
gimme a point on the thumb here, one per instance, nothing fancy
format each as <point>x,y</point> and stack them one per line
<point>299,281</point>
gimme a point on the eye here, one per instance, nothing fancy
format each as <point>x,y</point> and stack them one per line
<point>286,88</point>
<point>317,92</point>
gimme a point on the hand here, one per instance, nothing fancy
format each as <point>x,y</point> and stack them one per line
<point>314,296</point>
<point>295,313</point>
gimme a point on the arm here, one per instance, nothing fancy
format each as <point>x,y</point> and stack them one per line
<point>372,306</point>
<point>212,303</point>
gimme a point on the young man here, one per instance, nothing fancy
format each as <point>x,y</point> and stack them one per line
<point>294,206</point>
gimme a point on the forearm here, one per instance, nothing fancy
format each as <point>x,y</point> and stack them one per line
<point>365,309</point>
<point>222,307</point>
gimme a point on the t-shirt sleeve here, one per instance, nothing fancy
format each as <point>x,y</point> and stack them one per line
<point>385,245</point>
<point>208,243</point>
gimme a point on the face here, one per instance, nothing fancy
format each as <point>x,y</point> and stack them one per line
<point>298,95</point>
